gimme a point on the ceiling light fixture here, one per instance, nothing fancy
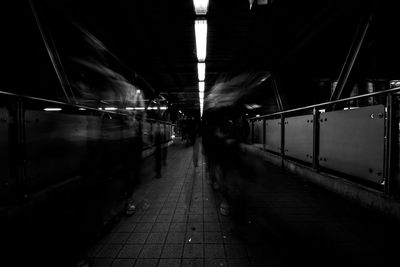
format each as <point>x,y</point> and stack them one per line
<point>200,28</point>
<point>201,70</point>
<point>201,86</point>
<point>52,109</point>
<point>200,6</point>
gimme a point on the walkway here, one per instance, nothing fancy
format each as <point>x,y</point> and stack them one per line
<point>288,222</point>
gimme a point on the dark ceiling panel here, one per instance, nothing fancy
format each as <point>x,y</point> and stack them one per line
<point>299,40</point>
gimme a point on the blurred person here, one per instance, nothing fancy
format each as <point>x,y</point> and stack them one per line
<point>164,146</point>
<point>184,128</point>
<point>210,150</point>
<point>244,129</point>
<point>194,141</point>
<point>206,150</point>
<point>135,167</point>
<point>158,150</point>
<point>235,183</point>
<point>213,133</point>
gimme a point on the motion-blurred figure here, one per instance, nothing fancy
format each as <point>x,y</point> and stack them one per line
<point>135,165</point>
<point>194,141</point>
<point>158,150</point>
<point>164,148</point>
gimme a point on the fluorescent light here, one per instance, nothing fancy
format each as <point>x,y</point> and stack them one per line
<point>252,106</point>
<point>52,109</point>
<point>110,108</point>
<point>258,115</point>
<point>139,108</point>
<point>201,70</point>
<point>156,108</point>
<point>138,91</point>
<point>200,6</point>
<point>129,108</point>
<point>201,86</point>
<point>82,108</point>
<point>200,28</point>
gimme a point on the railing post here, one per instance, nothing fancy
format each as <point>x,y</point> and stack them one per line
<point>17,139</point>
<point>264,137</point>
<point>283,138</point>
<point>315,154</point>
<point>391,183</point>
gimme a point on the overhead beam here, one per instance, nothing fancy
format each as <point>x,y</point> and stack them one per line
<point>352,55</point>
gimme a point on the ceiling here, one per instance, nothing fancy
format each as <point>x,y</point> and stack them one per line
<point>301,44</point>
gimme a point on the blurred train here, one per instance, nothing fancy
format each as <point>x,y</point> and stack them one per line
<point>74,121</point>
<point>63,170</point>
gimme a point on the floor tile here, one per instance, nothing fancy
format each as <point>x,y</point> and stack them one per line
<point>175,237</point>
<point>137,238</point>
<point>193,251</point>
<point>169,263</point>
<point>123,263</point>
<point>151,251</point>
<point>172,251</point>
<point>192,263</point>
<point>130,251</point>
<point>214,251</point>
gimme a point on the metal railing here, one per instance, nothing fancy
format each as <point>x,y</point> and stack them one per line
<point>387,98</point>
<point>68,130</point>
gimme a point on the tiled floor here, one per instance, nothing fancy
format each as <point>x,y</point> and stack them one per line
<point>177,223</point>
<point>288,222</point>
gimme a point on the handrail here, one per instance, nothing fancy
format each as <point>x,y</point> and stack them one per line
<point>72,105</point>
<point>53,101</point>
<point>392,90</point>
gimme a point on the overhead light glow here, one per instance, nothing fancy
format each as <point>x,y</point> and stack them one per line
<point>129,108</point>
<point>200,6</point>
<point>201,70</point>
<point>110,108</point>
<point>52,109</point>
<point>201,86</point>
<point>252,106</point>
<point>155,108</point>
<point>82,108</point>
<point>200,28</point>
